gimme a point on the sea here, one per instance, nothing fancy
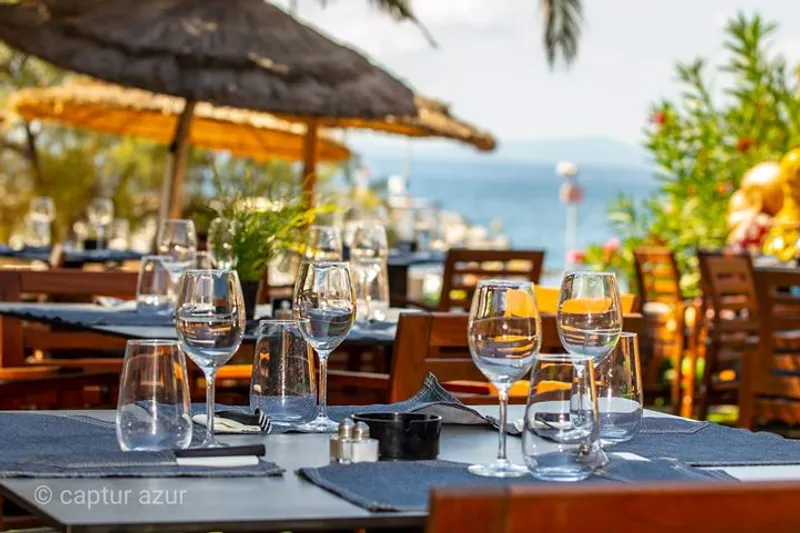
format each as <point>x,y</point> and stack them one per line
<point>523,196</point>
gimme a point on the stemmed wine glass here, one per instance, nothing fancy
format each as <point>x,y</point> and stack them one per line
<point>210,320</point>
<point>589,316</point>
<point>177,239</point>
<point>324,243</point>
<point>504,336</point>
<point>323,295</point>
<point>220,242</point>
<point>100,213</point>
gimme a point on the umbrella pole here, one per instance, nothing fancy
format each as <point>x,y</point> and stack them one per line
<point>172,185</point>
<point>310,163</point>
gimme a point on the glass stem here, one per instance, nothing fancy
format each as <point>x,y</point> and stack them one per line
<point>501,445</point>
<point>322,410</point>
<point>211,391</point>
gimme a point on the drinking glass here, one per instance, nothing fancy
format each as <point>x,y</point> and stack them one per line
<point>119,234</point>
<point>43,208</point>
<point>177,238</point>
<point>324,243</point>
<point>504,335</point>
<point>100,213</point>
<point>283,383</point>
<point>153,410</point>
<point>204,261</point>
<point>619,391</point>
<point>220,242</point>
<point>323,296</point>
<point>589,315</point>
<point>210,320</point>
<point>369,250</point>
<point>37,232</point>
<point>560,433</point>
<point>155,292</point>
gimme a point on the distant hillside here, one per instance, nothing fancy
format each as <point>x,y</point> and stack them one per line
<point>586,151</point>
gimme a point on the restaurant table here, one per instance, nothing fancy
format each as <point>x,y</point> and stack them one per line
<point>72,258</point>
<point>277,503</point>
<point>398,264</point>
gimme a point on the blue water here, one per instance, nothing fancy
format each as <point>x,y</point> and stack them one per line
<point>524,196</point>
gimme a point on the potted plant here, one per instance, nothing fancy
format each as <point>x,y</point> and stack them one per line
<point>264,221</point>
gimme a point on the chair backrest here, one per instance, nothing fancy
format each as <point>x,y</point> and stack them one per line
<point>70,283</point>
<point>651,508</point>
<point>463,268</point>
<point>728,285</point>
<point>437,343</point>
<point>657,275</point>
<point>547,300</point>
<point>770,388</point>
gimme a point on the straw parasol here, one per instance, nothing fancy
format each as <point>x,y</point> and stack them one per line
<point>239,53</point>
<point>119,110</point>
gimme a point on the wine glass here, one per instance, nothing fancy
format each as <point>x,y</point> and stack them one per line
<point>504,335</point>
<point>177,239</point>
<point>43,208</point>
<point>324,243</point>
<point>589,315</point>
<point>100,213</point>
<point>323,295</point>
<point>368,253</point>
<point>220,242</point>
<point>210,320</point>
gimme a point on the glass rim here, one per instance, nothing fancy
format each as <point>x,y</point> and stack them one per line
<point>326,262</point>
<point>500,282</point>
<point>208,271</point>
<point>281,321</point>
<point>153,342</point>
<point>564,358</point>
<point>590,273</point>
<point>628,335</point>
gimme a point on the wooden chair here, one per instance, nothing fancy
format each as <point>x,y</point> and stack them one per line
<point>463,269</point>
<point>770,382</point>
<point>651,508</point>
<point>664,309</point>
<point>60,391</point>
<point>732,325</point>
<point>18,337</point>
<point>437,343</point>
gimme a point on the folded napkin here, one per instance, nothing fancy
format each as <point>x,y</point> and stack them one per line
<point>64,446</point>
<point>405,485</point>
<point>232,422</point>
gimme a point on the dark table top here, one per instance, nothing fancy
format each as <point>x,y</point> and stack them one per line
<point>236,504</point>
<point>71,257</point>
<point>407,259</point>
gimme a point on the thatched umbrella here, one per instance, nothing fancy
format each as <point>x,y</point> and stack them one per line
<point>119,110</point>
<point>240,53</point>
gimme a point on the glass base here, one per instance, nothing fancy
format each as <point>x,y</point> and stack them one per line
<point>321,424</point>
<point>562,474</point>
<point>499,469</point>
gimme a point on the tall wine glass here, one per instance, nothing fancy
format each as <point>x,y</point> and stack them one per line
<point>220,242</point>
<point>324,243</point>
<point>210,320</point>
<point>100,213</point>
<point>177,239</point>
<point>323,295</point>
<point>43,209</point>
<point>589,316</point>
<point>504,336</point>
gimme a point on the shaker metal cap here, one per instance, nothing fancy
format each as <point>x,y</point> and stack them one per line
<point>346,428</point>
<point>361,431</point>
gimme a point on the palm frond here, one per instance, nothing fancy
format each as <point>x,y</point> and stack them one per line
<point>400,10</point>
<point>562,19</point>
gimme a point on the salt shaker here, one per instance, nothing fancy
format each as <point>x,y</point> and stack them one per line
<point>362,448</point>
<point>340,445</point>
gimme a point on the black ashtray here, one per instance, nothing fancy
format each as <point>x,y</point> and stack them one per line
<point>404,436</point>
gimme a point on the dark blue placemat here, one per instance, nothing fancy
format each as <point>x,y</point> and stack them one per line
<point>84,315</point>
<point>405,485</point>
<point>709,444</point>
<point>46,445</point>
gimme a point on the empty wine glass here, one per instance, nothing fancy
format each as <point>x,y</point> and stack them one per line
<point>210,320</point>
<point>323,296</point>
<point>504,334</point>
<point>43,208</point>
<point>368,258</point>
<point>100,213</point>
<point>120,234</point>
<point>589,315</point>
<point>220,242</point>
<point>155,291</point>
<point>177,239</point>
<point>324,243</point>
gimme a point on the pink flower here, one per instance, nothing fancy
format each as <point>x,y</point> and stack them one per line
<point>576,257</point>
<point>611,245</point>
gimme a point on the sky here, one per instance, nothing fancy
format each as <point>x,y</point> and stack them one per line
<point>490,64</point>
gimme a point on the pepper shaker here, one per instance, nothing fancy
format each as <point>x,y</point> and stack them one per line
<point>341,443</point>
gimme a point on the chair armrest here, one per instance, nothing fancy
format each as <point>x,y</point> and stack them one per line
<point>364,380</point>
